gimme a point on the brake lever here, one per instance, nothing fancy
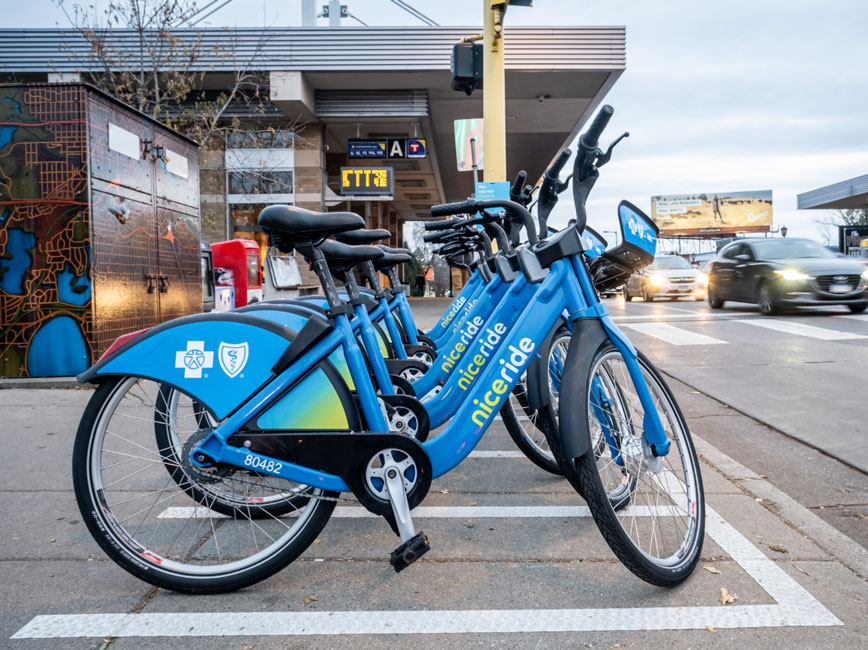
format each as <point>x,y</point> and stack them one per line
<point>603,158</point>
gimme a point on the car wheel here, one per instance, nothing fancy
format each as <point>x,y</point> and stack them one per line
<point>714,300</point>
<point>767,303</point>
<point>647,295</point>
<point>857,309</point>
<point>627,296</point>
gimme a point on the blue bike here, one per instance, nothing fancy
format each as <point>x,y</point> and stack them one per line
<point>280,411</point>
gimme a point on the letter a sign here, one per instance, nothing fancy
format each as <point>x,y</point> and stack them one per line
<point>396,148</point>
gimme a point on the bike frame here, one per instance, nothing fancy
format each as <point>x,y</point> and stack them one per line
<point>565,286</point>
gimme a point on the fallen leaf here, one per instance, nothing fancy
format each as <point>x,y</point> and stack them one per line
<point>317,540</point>
<point>444,491</point>
<point>726,597</point>
<point>778,548</point>
<point>310,599</point>
<point>710,629</point>
<point>468,523</point>
<point>711,569</point>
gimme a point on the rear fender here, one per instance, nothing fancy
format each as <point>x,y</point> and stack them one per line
<point>575,436</point>
<point>219,358</point>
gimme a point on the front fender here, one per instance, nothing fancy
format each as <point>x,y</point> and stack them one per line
<point>573,432</point>
<point>218,358</point>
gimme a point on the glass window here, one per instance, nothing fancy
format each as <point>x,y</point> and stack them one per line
<point>253,271</point>
<point>673,262</point>
<point>789,248</point>
<point>207,289</point>
<point>729,253</point>
<point>243,183</point>
<point>260,182</point>
<point>268,139</point>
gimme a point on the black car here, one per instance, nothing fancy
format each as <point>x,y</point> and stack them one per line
<point>781,273</point>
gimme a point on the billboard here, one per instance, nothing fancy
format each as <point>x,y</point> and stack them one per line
<point>712,214</point>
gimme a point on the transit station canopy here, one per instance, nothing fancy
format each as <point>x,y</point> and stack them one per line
<point>384,83</point>
<point>849,194</point>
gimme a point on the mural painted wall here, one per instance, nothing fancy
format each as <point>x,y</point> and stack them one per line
<point>98,236</point>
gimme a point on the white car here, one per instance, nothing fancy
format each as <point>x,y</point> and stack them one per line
<point>668,276</point>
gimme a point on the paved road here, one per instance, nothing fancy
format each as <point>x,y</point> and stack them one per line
<point>515,561</point>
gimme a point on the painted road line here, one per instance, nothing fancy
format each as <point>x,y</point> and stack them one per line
<point>862,317</point>
<point>695,316</point>
<point>794,607</point>
<point>496,454</point>
<point>673,335</point>
<point>800,329</point>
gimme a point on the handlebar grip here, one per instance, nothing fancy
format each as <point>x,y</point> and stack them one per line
<point>436,236</point>
<point>554,170</point>
<point>439,225</point>
<point>517,184</point>
<point>592,136</point>
<point>448,209</point>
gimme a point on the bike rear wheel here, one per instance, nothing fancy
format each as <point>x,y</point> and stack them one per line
<point>650,510</point>
<point>147,521</point>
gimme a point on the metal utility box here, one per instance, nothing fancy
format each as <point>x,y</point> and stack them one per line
<point>99,226</point>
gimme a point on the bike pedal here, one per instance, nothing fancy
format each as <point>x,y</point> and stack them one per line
<point>409,552</point>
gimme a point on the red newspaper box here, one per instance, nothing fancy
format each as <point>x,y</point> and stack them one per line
<point>242,258</point>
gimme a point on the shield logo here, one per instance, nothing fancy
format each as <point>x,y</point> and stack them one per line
<point>232,357</point>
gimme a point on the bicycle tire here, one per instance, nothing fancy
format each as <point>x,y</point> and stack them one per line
<point>190,569</point>
<point>532,439</point>
<point>672,568</point>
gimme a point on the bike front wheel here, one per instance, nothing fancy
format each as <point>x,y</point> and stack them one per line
<point>650,510</point>
<point>148,521</point>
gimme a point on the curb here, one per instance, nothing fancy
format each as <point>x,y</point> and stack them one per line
<point>43,382</point>
<point>831,540</point>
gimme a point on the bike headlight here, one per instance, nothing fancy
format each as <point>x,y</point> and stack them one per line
<point>792,274</point>
<point>703,279</point>
<point>657,280</point>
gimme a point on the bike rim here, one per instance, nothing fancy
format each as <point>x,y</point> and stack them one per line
<point>528,420</point>
<point>153,517</point>
<point>658,498</point>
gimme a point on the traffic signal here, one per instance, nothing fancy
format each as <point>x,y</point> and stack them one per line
<point>467,66</point>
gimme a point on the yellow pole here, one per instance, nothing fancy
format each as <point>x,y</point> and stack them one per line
<point>493,93</point>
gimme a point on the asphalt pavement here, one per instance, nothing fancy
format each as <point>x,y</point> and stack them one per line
<point>515,560</point>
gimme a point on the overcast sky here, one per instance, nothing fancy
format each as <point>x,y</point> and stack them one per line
<point>718,96</point>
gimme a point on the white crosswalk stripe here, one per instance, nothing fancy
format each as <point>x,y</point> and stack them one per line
<point>800,329</point>
<point>673,335</point>
<point>862,317</point>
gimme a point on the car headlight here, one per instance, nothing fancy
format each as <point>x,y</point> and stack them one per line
<point>792,274</point>
<point>703,279</point>
<point>657,280</point>
<point>865,275</point>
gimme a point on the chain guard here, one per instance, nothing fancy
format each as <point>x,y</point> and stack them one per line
<point>407,416</point>
<point>344,454</point>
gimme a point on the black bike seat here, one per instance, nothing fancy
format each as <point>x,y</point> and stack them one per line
<point>357,237</point>
<point>394,251</point>
<point>391,259</point>
<point>343,256</point>
<point>306,225</point>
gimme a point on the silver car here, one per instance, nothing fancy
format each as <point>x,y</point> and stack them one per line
<point>668,276</point>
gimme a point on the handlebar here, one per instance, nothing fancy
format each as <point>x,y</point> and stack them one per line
<point>591,138</point>
<point>517,185</point>
<point>551,187</point>
<point>449,209</point>
<point>438,225</point>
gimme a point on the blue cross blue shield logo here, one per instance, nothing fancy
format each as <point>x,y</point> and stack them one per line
<point>232,357</point>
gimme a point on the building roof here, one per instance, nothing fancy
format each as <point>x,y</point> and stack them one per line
<point>852,193</point>
<point>395,80</point>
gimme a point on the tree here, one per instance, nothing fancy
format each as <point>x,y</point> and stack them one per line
<point>829,223</point>
<point>157,67</point>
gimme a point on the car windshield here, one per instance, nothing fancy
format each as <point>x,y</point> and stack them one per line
<point>793,248</point>
<point>671,263</point>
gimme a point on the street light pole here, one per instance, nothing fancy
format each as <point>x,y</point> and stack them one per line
<point>493,92</point>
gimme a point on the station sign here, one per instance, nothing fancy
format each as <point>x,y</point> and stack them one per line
<point>366,148</point>
<point>367,181</point>
<point>395,148</point>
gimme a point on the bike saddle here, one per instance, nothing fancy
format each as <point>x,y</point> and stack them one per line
<point>342,257</point>
<point>303,225</point>
<point>391,259</point>
<point>394,251</point>
<point>357,237</point>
